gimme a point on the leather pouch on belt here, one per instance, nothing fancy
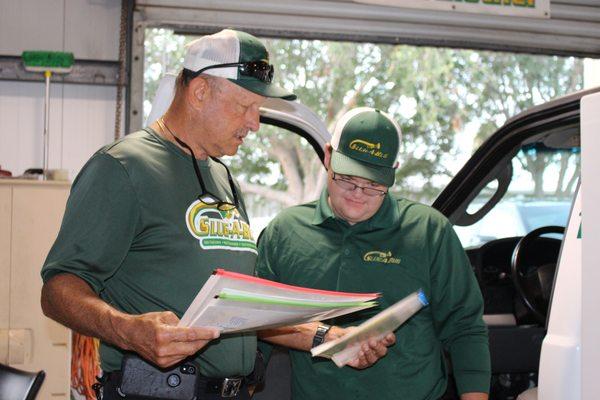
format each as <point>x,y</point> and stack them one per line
<point>142,379</point>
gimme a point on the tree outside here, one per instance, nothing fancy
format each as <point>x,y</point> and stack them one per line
<point>447,101</point>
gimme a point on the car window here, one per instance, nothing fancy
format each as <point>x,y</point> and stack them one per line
<point>276,168</point>
<point>540,194</point>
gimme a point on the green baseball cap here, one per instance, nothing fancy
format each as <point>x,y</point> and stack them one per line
<point>365,143</point>
<point>236,56</point>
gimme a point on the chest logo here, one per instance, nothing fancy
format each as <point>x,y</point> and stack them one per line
<point>215,229</point>
<point>381,257</point>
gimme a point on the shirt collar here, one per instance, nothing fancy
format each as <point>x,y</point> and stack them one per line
<point>386,215</point>
<point>323,211</point>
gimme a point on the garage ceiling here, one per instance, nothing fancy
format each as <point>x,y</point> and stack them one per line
<point>573,28</point>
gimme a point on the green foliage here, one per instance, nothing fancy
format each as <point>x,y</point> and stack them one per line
<point>163,52</point>
<point>434,93</point>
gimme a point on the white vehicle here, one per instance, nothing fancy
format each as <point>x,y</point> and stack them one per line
<point>532,285</point>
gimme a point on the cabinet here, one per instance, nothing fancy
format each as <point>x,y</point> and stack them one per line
<point>30,217</point>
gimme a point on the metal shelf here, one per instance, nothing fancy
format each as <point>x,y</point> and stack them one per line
<point>85,72</point>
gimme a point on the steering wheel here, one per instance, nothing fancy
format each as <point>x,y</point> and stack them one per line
<point>534,282</point>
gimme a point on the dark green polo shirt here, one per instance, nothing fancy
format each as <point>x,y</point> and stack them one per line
<point>135,232</point>
<point>403,247</point>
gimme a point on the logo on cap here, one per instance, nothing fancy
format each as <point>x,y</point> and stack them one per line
<point>363,146</point>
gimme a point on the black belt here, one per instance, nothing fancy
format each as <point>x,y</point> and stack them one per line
<point>225,387</point>
<point>222,387</point>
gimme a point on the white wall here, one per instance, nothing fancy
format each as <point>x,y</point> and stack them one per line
<point>88,28</point>
<point>81,116</point>
<point>81,121</point>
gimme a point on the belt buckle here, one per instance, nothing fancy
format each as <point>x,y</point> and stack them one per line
<point>231,387</point>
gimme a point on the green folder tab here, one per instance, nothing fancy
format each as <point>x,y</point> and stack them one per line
<point>237,295</point>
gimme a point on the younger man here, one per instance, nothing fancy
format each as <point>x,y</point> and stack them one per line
<point>358,238</point>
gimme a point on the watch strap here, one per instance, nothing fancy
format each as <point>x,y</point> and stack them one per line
<point>319,337</point>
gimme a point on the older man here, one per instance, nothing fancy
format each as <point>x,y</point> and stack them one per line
<point>132,254</point>
<point>357,237</point>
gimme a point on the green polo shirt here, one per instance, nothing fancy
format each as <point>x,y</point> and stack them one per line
<point>135,232</point>
<point>403,247</point>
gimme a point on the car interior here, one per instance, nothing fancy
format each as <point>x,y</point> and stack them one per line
<point>516,273</point>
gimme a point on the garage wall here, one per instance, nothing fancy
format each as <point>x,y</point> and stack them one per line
<point>81,116</point>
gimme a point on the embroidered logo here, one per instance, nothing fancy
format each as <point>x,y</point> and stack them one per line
<point>382,257</point>
<point>215,229</point>
<point>363,146</point>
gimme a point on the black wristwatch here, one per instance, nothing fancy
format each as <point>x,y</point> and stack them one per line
<point>320,334</point>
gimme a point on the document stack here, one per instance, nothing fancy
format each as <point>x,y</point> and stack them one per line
<point>235,302</point>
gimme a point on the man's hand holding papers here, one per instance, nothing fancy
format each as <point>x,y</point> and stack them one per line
<point>348,347</point>
<point>371,350</point>
<point>299,337</point>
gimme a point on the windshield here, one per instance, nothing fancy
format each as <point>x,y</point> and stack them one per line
<point>538,214</point>
<point>540,194</point>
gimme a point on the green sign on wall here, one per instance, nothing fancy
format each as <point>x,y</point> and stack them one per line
<point>517,8</point>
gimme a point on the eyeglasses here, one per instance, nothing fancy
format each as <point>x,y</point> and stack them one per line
<point>205,196</point>
<point>261,70</point>
<point>347,185</point>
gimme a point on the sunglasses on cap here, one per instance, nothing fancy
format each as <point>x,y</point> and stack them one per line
<point>261,70</point>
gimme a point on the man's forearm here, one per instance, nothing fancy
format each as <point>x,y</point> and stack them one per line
<point>298,337</point>
<point>69,300</point>
<point>155,336</point>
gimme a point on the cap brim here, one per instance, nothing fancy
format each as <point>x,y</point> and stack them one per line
<point>342,164</point>
<point>264,89</point>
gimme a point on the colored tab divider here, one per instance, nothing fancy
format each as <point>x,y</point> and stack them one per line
<point>236,295</point>
<point>266,282</point>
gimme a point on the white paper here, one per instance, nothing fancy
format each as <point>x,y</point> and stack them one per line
<point>346,348</point>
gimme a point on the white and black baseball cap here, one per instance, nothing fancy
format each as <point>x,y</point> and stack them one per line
<point>236,56</point>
